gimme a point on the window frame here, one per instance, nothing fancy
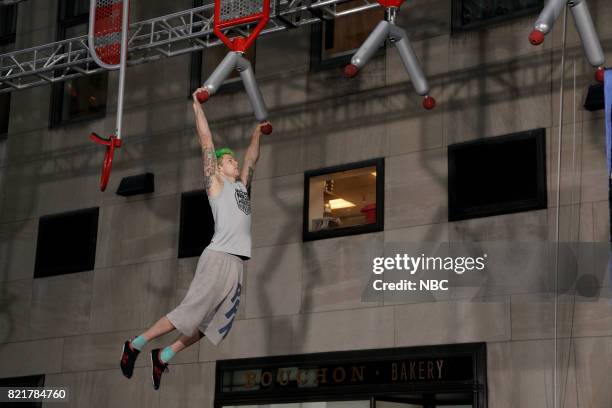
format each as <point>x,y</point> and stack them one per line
<point>9,38</point>
<point>354,230</point>
<point>318,63</point>
<point>57,89</point>
<point>457,27</point>
<point>41,271</point>
<point>540,202</point>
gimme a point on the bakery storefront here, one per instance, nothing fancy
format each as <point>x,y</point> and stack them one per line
<point>451,376</point>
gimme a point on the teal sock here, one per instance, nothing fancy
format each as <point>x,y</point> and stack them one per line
<point>166,354</point>
<point>139,342</point>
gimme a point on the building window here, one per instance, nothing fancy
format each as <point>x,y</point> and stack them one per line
<point>333,42</point>
<point>197,225</point>
<point>8,24</point>
<point>497,175</point>
<point>66,243</point>
<point>70,9</point>
<point>473,14</point>
<point>28,381</point>
<point>8,27</point>
<point>203,63</point>
<point>5,109</point>
<point>344,200</point>
<point>83,97</point>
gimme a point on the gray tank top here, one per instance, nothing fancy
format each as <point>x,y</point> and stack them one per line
<point>231,210</point>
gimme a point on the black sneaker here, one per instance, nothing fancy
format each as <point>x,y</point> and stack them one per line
<point>158,368</point>
<point>128,358</point>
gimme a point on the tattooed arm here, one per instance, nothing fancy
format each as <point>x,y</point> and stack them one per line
<point>212,181</point>
<point>250,158</point>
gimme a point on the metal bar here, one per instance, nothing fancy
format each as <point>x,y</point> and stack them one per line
<point>324,3</point>
<point>355,10</point>
<point>251,88</point>
<point>549,15</point>
<point>410,60</point>
<point>220,74</point>
<point>123,64</point>
<point>369,47</point>
<point>11,84</point>
<point>588,35</point>
<point>161,37</point>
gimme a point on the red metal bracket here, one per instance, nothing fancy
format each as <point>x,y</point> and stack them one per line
<point>390,3</point>
<point>110,143</point>
<point>239,43</point>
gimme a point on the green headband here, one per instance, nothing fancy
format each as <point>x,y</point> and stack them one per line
<point>224,150</point>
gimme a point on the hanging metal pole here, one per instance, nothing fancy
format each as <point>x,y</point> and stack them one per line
<point>123,65</point>
<point>558,214</point>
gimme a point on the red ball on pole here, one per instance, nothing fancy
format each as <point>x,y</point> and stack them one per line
<point>350,71</point>
<point>266,128</point>
<point>536,37</point>
<point>429,103</point>
<point>202,96</point>
<point>599,75</point>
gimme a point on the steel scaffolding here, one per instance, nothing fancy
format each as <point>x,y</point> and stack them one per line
<point>161,37</point>
<point>9,2</point>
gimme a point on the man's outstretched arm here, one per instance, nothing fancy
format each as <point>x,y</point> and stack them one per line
<point>250,158</point>
<point>209,159</point>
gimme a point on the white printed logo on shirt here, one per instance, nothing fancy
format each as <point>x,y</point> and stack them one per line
<point>242,199</point>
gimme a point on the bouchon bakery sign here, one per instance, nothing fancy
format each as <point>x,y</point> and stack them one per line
<point>304,376</point>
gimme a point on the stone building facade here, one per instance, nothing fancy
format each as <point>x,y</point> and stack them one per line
<point>303,297</point>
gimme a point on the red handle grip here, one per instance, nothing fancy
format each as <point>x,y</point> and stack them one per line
<point>266,128</point>
<point>599,75</point>
<point>202,96</point>
<point>429,103</point>
<point>107,165</point>
<point>536,37</point>
<point>350,71</point>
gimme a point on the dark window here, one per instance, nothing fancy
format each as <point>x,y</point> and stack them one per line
<point>497,175</point>
<point>83,97</point>
<point>66,243</point>
<point>473,14</point>
<point>5,109</point>
<point>344,200</point>
<point>8,24</point>
<point>203,63</point>
<point>29,381</point>
<point>333,42</point>
<point>197,224</point>
<point>70,9</point>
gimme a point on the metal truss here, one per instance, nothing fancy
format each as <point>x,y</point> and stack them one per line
<point>162,37</point>
<point>9,2</point>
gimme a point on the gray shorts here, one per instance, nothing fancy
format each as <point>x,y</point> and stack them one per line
<point>212,301</point>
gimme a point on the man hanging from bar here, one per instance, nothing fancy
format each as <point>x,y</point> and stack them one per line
<point>211,303</point>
